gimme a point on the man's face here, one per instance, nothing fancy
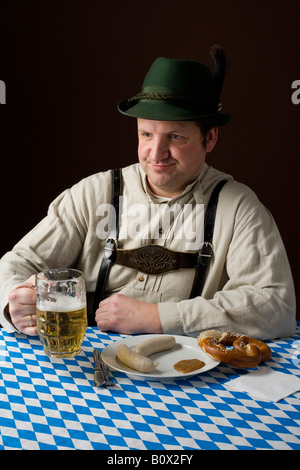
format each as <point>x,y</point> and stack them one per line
<point>172,154</point>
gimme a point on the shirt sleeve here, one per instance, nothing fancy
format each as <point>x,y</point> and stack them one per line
<point>46,245</point>
<point>249,286</point>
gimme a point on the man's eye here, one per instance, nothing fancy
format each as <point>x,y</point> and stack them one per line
<point>176,137</point>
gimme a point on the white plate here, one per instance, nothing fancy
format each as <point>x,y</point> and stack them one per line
<point>185,348</point>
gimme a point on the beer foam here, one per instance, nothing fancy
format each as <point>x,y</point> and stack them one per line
<point>61,303</point>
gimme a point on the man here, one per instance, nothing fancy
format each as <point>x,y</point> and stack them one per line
<point>248,285</point>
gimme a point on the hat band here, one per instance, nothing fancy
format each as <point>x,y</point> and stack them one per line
<point>209,108</point>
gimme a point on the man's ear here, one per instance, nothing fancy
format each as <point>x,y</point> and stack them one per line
<point>211,138</point>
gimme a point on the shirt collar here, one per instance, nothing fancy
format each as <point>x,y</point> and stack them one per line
<point>198,194</point>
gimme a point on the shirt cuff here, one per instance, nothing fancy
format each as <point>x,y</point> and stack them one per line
<point>6,322</point>
<point>170,318</point>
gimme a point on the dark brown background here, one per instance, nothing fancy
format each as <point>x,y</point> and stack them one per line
<point>67,64</point>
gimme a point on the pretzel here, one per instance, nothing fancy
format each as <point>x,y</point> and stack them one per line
<point>246,352</point>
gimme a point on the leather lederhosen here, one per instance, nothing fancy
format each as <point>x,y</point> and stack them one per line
<point>154,259</point>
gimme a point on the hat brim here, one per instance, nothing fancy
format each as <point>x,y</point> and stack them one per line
<point>169,111</point>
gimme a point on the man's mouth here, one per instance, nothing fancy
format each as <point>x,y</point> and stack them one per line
<point>161,166</point>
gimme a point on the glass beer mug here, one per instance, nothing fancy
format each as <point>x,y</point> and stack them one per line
<point>61,311</point>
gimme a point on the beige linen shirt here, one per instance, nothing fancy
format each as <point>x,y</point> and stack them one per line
<point>249,286</point>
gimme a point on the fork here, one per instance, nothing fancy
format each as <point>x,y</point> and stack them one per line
<point>106,373</point>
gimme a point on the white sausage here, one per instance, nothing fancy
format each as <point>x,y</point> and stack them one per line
<point>134,360</point>
<point>154,345</point>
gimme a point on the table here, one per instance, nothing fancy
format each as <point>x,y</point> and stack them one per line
<point>53,404</point>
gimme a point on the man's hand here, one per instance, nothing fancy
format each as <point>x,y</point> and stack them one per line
<point>129,316</point>
<point>22,307</point>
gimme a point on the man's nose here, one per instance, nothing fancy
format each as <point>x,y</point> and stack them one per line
<point>159,150</point>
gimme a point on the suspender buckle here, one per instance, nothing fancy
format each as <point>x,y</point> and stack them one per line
<point>205,253</point>
<point>110,247</point>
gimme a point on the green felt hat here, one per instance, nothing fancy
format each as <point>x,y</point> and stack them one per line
<point>177,90</point>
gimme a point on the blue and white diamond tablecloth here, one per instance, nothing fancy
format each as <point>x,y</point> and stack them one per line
<point>53,404</point>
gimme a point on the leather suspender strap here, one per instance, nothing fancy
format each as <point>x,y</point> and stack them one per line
<point>206,252</point>
<point>110,244</point>
<point>110,248</point>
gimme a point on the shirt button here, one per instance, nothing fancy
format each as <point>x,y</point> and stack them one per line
<point>141,278</point>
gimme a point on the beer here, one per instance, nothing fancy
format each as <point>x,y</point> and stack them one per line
<point>61,325</point>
